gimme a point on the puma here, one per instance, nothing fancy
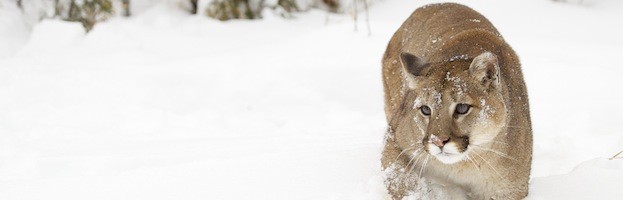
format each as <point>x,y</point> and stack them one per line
<point>457,109</point>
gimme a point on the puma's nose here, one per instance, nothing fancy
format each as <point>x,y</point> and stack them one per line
<point>440,140</point>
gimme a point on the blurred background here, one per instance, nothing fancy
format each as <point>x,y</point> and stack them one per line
<point>272,99</point>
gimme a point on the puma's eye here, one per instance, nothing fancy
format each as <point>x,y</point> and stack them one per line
<point>462,108</point>
<point>425,110</point>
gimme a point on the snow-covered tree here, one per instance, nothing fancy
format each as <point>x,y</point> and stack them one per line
<point>234,9</point>
<point>87,12</point>
<point>252,9</point>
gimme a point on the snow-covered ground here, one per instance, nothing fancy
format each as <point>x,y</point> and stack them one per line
<point>165,105</point>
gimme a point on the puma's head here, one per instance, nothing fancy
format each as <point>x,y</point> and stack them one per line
<point>458,104</point>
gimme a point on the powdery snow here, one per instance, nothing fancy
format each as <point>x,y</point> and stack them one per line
<point>165,105</point>
<point>13,28</point>
<point>593,179</point>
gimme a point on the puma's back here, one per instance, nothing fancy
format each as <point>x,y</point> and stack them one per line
<point>440,32</point>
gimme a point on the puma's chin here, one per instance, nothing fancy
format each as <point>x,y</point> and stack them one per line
<point>448,158</point>
<point>449,154</point>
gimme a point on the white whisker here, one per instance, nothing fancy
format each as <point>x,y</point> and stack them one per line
<point>422,169</point>
<point>474,162</point>
<point>487,142</point>
<point>405,150</point>
<point>414,164</point>
<point>493,168</point>
<point>407,166</point>
<point>496,152</point>
<point>415,154</point>
<point>519,127</point>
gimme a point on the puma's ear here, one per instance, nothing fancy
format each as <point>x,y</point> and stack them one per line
<point>412,66</point>
<point>485,68</point>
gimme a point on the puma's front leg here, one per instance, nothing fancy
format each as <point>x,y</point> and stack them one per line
<point>398,180</point>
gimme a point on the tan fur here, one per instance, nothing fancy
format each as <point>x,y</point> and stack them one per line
<point>499,150</point>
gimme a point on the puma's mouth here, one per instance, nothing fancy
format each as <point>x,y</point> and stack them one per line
<point>449,158</point>
<point>448,154</point>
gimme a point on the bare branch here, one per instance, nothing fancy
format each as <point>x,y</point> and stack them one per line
<point>615,155</point>
<point>365,4</point>
<point>355,14</point>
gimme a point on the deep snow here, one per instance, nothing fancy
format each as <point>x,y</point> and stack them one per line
<point>170,106</point>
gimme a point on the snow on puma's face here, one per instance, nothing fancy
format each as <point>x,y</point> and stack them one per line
<point>458,104</point>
